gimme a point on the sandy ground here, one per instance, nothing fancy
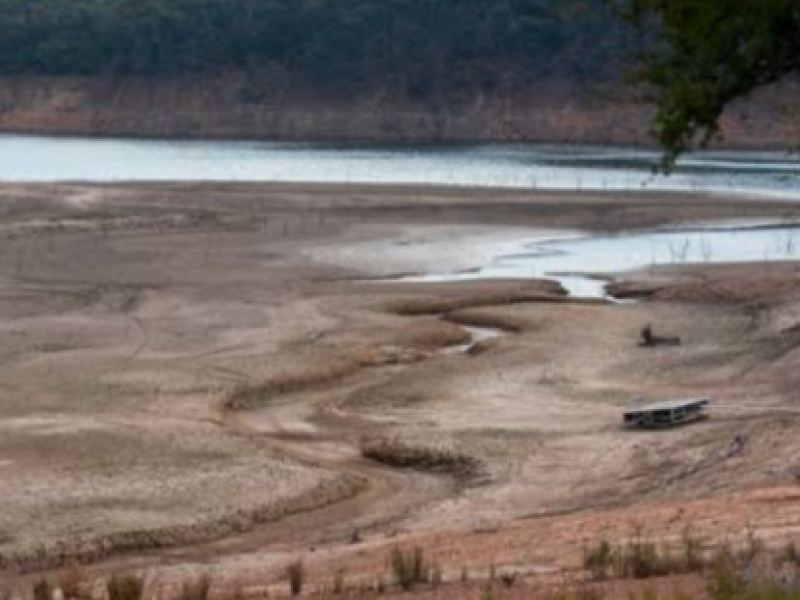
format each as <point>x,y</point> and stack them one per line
<point>190,373</point>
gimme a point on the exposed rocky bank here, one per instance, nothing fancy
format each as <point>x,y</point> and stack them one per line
<point>235,106</point>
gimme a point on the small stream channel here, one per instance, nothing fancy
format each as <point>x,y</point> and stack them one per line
<point>583,263</point>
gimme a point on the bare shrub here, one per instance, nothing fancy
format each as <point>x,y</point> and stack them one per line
<point>296,574</point>
<point>125,588</point>
<point>640,558</point>
<point>599,560</point>
<point>692,550</point>
<point>752,547</point>
<point>727,581</point>
<point>409,568</point>
<point>730,579</point>
<point>729,569</point>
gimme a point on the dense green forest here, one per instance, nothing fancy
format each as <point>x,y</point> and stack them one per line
<point>410,47</point>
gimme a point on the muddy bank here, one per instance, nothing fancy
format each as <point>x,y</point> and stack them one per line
<point>229,106</point>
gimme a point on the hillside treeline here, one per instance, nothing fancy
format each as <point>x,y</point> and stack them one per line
<point>409,47</point>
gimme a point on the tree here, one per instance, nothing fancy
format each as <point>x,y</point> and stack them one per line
<point>706,53</point>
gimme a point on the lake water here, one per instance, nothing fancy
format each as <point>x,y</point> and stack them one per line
<point>35,158</point>
<point>574,258</point>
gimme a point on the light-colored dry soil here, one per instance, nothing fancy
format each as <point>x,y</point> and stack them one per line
<point>189,375</point>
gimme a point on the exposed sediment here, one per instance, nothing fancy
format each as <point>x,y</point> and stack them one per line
<point>117,350</point>
<point>221,107</point>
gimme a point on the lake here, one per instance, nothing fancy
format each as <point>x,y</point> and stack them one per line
<point>38,158</point>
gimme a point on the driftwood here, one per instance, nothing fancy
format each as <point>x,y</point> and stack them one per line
<point>651,340</point>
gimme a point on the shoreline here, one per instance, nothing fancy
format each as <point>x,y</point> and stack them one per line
<point>380,143</point>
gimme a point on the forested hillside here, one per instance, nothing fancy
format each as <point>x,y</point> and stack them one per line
<point>364,70</point>
<point>416,48</point>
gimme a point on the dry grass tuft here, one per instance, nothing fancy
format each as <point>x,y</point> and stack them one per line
<point>125,588</point>
<point>72,583</point>
<point>640,558</point>
<point>411,568</point>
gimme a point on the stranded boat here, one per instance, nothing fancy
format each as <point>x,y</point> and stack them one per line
<point>671,413</point>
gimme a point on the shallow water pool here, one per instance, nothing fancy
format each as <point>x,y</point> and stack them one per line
<point>582,262</point>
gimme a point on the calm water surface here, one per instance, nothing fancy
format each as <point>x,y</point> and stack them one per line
<point>33,158</point>
<point>574,258</point>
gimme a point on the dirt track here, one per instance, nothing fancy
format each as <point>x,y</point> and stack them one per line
<point>183,366</point>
